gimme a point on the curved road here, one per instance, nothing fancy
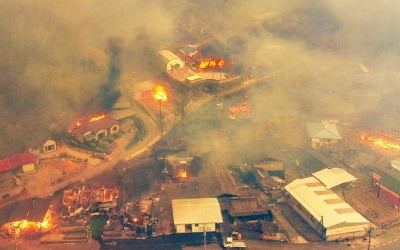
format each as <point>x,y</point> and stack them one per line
<point>153,136</point>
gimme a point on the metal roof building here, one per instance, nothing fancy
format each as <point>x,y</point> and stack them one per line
<point>172,61</point>
<point>323,130</point>
<point>196,215</point>
<point>325,211</point>
<point>332,177</point>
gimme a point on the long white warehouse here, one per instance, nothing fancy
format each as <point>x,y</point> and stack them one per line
<point>325,211</point>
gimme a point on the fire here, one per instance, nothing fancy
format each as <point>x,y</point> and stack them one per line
<point>96,118</point>
<point>211,63</point>
<point>160,94</point>
<point>86,120</point>
<point>386,144</point>
<point>184,174</point>
<point>382,141</point>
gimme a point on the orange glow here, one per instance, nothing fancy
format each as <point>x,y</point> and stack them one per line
<point>184,174</point>
<point>86,120</point>
<point>381,141</point>
<point>25,224</point>
<point>212,63</point>
<point>159,94</point>
<point>96,118</point>
<point>386,144</point>
<point>135,220</point>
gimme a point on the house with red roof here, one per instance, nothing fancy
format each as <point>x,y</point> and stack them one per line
<point>94,128</point>
<point>26,161</point>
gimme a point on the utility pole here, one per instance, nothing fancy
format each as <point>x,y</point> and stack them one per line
<point>369,237</point>
<point>205,237</point>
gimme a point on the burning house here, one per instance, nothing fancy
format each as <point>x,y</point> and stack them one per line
<point>79,198</point>
<point>324,133</point>
<point>386,183</point>
<point>26,216</point>
<point>25,161</point>
<point>178,166</point>
<point>94,128</point>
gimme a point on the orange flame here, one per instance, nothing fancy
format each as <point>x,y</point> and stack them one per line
<point>184,174</point>
<point>159,94</point>
<point>381,141</point>
<point>96,118</point>
<point>212,63</point>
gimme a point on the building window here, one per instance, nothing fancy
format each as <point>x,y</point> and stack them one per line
<point>101,135</point>
<point>50,148</point>
<point>188,227</point>
<point>196,225</point>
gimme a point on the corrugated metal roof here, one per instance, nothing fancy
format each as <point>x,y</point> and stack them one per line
<point>318,201</point>
<point>323,130</point>
<point>332,177</point>
<point>16,160</point>
<point>198,210</point>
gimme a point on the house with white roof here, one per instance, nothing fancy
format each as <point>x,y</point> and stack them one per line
<point>325,211</point>
<point>196,215</point>
<point>323,133</point>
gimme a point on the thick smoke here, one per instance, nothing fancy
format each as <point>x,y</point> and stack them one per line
<point>109,92</point>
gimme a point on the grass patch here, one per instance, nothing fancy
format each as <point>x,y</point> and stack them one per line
<point>141,132</point>
<point>96,226</point>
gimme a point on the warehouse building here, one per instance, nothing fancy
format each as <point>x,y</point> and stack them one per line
<point>325,211</point>
<point>196,215</point>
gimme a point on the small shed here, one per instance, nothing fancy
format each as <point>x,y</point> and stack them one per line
<point>171,60</point>
<point>49,146</point>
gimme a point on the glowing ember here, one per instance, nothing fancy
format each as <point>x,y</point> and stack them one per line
<point>86,120</point>
<point>212,63</point>
<point>381,141</point>
<point>96,118</point>
<point>160,94</point>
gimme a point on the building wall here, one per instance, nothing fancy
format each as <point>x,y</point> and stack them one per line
<point>99,134</point>
<point>316,142</point>
<point>385,193</point>
<point>343,236</point>
<point>195,228</point>
<point>114,129</point>
<point>28,167</point>
<point>340,233</point>
<point>175,64</point>
<point>300,210</point>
